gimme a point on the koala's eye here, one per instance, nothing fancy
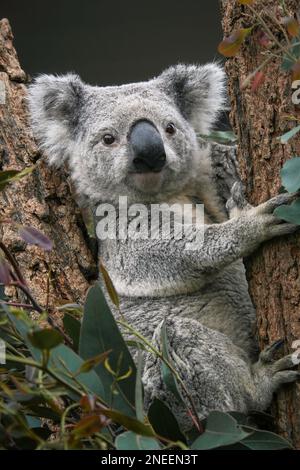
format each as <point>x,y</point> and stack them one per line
<point>108,139</point>
<point>170,128</point>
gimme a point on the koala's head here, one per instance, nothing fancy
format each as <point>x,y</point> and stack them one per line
<point>137,140</point>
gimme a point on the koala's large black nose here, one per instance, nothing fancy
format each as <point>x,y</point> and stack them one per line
<point>148,148</point>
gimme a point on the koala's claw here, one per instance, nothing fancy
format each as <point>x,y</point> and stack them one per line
<point>272,373</point>
<point>280,373</point>
<point>279,200</point>
<point>286,376</point>
<point>281,228</point>
<point>267,355</point>
<point>286,362</point>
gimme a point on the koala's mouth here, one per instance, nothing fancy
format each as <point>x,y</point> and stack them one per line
<point>149,182</point>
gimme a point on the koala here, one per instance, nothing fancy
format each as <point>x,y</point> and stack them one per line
<point>143,141</point>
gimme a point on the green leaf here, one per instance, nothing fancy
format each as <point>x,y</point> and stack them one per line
<point>131,441</point>
<point>100,333</point>
<point>45,412</point>
<point>163,421</point>
<point>89,425</point>
<point>33,421</point>
<point>72,328</point>
<point>9,176</point>
<point>289,213</point>
<point>74,309</point>
<point>63,360</point>
<point>129,423</point>
<point>109,286</point>
<point>240,418</point>
<point>221,430</point>
<point>167,375</point>
<point>287,62</point>
<point>288,135</point>
<point>6,176</point>
<point>45,339</point>
<point>89,364</point>
<point>264,440</point>
<point>139,399</point>
<point>136,344</point>
<point>290,174</point>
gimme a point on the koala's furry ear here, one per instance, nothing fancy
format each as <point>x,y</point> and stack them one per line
<point>54,106</point>
<point>198,91</point>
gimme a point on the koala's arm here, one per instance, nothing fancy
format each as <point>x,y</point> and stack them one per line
<point>160,264</point>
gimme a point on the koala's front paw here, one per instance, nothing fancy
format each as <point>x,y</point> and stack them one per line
<point>267,224</point>
<point>269,206</point>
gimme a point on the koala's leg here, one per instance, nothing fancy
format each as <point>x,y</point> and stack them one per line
<point>216,373</point>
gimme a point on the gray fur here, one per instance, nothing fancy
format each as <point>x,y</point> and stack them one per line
<point>202,294</point>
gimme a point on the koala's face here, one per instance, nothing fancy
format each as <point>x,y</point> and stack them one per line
<point>137,140</point>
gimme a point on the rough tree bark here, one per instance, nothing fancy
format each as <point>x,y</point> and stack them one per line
<point>43,199</point>
<point>258,119</point>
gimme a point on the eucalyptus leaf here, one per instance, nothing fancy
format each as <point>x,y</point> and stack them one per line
<point>167,375</point>
<point>63,361</point>
<point>89,364</point>
<point>139,397</point>
<point>131,441</point>
<point>10,176</point>
<point>230,45</point>
<point>287,62</point>
<point>45,339</point>
<point>290,174</point>
<point>132,424</point>
<point>72,327</point>
<point>109,285</point>
<point>164,422</point>
<point>100,333</point>
<point>221,430</point>
<point>288,135</point>
<point>264,440</point>
<point>289,213</point>
<point>33,421</point>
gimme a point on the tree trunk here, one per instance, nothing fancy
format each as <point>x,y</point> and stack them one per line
<point>258,118</point>
<point>43,199</point>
